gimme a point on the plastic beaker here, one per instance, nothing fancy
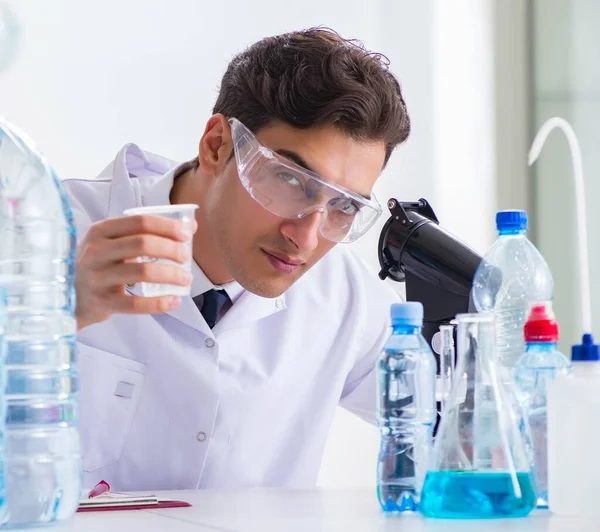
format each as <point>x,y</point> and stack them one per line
<point>479,468</point>
<point>184,214</point>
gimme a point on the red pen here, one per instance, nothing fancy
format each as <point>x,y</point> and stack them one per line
<point>99,489</point>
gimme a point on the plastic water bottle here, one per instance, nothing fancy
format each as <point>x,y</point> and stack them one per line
<point>512,276</point>
<point>406,373</point>
<point>3,512</point>
<point>43,463</point>
<point>541,364</point>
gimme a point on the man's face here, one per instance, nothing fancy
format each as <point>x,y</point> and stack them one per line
<point>264,253</point>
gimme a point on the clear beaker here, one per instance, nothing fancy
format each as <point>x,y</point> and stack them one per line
<point>479,468</point>
<point>184,214</point>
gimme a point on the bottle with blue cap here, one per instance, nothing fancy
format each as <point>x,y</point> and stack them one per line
<point>512,276</point>
<point>406,373</point>
<point>574,433</point>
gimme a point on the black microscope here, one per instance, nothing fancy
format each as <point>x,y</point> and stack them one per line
<point>436,267</point>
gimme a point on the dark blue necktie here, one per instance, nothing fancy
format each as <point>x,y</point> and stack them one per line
<point>212,303</point>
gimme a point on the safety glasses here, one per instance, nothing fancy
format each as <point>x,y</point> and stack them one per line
<point>290,191</point>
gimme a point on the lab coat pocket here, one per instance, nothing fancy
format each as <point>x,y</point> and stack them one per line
<point>110,389</point>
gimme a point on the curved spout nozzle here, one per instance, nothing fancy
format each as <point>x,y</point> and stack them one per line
<point>580,207</point>
<point>544,132</point>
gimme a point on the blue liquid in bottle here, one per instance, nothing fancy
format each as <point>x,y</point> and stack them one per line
<point>474,495</point>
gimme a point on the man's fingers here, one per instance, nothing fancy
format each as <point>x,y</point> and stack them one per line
<point>142,224</point>
<point>130,247</point>
<point>124,304</point>
<point>148,272</point>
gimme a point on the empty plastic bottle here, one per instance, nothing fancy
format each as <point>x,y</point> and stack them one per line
<point>43,463</point>
<point>541,364</point>
<point>406,373</point>
<point>512,276</point>
<point>3,512</point>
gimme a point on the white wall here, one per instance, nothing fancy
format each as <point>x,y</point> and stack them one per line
<point>567,83</point>
<point>464,119</point>
<point>91,76</point>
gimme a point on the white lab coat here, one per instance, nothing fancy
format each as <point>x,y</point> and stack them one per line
<point>168,403</point>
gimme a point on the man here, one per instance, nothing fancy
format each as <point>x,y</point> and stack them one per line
<point>237,385</point>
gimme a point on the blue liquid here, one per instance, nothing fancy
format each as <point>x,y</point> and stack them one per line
<point>397,498</point>
<point>472,495</point>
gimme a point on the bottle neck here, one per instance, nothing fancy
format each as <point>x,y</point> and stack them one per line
<point>542,346</point>
<point>512,231</point>
<point>403,328</point>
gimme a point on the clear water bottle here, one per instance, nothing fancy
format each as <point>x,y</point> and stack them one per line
<point>512,276</point>
<point>37,255</point>
<point>3,511</point>
<point>406,373</point>
<point>541,364</point>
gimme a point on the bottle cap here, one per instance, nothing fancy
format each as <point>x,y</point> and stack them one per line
<point>511,220</point>
<point>586,350</point>
<point>410,313</point>
<point>541,324</point>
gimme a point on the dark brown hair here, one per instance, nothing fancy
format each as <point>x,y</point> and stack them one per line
<point>314,77</point>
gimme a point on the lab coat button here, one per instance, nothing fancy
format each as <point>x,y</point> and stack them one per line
<point>209,342</point>
<point>201,436</point>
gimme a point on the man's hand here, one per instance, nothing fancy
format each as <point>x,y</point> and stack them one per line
<point>106,262</point>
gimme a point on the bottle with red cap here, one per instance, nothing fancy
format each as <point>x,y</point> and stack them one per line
<point>541,364</point>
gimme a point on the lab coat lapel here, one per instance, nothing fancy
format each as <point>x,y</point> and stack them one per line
<point>122,192</point>
<point>132,161</point>
<point>187,312</point>
<point>249,308</point>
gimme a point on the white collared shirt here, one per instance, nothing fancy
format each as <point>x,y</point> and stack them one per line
<point>168,403</point>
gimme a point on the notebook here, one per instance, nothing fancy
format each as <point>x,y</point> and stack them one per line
<point>100,498</point>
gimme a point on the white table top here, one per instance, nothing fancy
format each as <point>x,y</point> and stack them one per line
<point>279,510</point>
